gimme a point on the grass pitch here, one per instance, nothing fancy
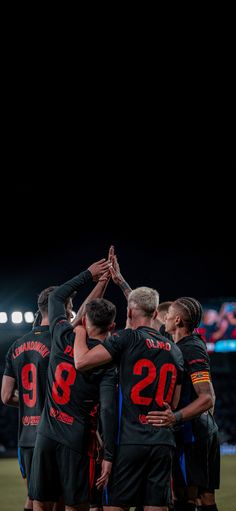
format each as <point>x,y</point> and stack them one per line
<point>13,488</point>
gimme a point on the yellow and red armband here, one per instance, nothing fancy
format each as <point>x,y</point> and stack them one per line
<point>200,377</point>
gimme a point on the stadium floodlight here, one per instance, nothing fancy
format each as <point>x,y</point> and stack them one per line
<point>3,317</point>
<point>29,317</point>
<point>16,317</point>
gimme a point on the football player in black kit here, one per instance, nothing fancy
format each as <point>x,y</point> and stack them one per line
<point>197,461</point>
<point>150,373</point>
<point>60,463</point>
<point>26,369</point>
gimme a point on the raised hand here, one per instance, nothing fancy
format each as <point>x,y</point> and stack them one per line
<point>115,271</point>
<point>117,277</point>
<point>107,275</point>
<point>99,268</point>
<point>111,254</point>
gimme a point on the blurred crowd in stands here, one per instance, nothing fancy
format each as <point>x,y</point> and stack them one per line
<point>219,324</point>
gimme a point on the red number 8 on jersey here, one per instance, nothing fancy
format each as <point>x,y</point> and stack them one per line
<point>63,383</point>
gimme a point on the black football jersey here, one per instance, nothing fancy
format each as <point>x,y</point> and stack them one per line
<point>27,362</point>
<point>150,368</point>
<point>72,395</point>
<point>196,369</point>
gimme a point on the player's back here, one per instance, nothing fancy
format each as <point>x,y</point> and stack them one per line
<point>150,368</point>
<point>27,361</point>
<point>71,394</point>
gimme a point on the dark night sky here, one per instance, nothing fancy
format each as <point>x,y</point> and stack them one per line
<point>156,171</point>
<point>180,242</point>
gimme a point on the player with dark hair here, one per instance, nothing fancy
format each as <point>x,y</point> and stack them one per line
<point>159,322</point>
<point>162,309</point>
<point>60,462</point>
<point>26,370</point>
<point>99,321</point>
<point>197,461</point>
<point>101,313</point>
<point>150,373</point>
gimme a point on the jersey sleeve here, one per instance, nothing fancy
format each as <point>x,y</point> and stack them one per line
<point>117,343</point>
<point>108,411</point>
<point>9,369</point>
<point>56,301</point>
<point>197,364</point>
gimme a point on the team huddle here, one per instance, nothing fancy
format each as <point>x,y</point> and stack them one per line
<point>113,418</point>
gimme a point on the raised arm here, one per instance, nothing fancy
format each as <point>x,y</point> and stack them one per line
<point>118,278</point>
<point>97,292</point>
<point>57,299</point>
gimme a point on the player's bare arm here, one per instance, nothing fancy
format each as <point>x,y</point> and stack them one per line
<point>203,403</point>
<point>83,357</point>
<point>118,278</point>
<point>175,400</point>
<point>8,395</point>
<point>97,292</point>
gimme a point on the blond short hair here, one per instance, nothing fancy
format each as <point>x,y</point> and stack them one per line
<point>144,298</point>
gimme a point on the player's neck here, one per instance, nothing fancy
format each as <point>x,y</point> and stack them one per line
<point>180,333</point>
<point>157,324</point>
<point>136,323</point>
<point>95,334</point>
<point>44,321</point>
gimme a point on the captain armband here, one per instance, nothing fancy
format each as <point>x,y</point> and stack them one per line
<point>200,377</point>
